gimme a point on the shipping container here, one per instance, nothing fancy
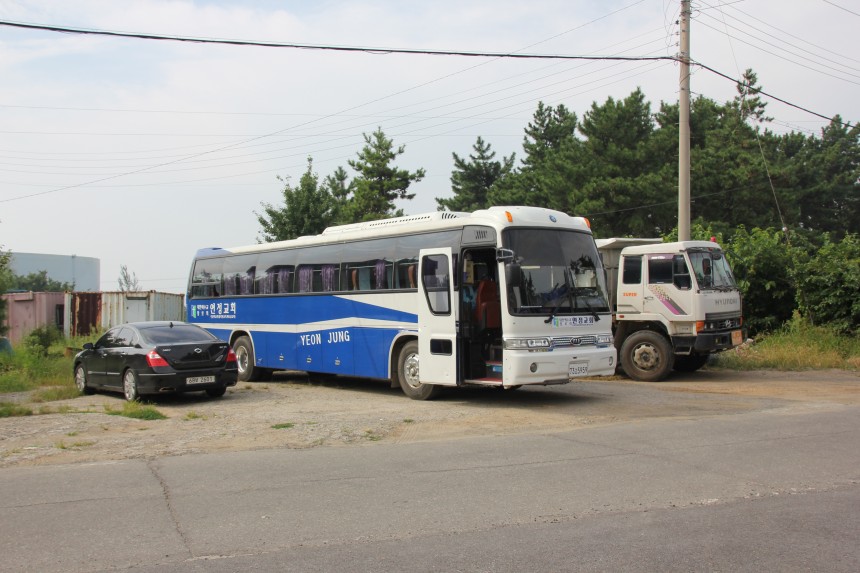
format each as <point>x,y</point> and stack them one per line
<point>86,312</point>
<point>26,311</point>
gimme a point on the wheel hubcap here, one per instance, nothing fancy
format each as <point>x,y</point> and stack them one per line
<point>79,379</point>
<point>410,371</point>
<point>646,357</point>
<point>128,385</point>
<point>241,359</point>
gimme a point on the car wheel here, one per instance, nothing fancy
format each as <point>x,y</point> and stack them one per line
<point>216,392</point>
<point>690,363</point>
<point>647,355</point>
<point>81,380</point>
<point>407,374</point>
<point>245,359</point>
<point>130,386</point>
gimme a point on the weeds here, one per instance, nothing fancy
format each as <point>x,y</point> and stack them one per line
<point>283,426</point>
<point>9,410</point>
<point>136,410</point>
<point>797,346</point>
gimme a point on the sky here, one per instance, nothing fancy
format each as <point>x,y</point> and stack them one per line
<point>140,152</point>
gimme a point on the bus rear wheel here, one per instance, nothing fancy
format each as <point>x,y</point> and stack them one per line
<point>647,355</point>
<point>245,359</point>
<point>407,374</point>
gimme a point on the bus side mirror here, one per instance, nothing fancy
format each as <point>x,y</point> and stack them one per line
<point>514,275</point>
<point>504,255</point>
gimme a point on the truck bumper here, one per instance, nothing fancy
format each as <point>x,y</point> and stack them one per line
<point>710,342</point>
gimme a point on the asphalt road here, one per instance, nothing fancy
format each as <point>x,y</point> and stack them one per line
<point>774,488</point>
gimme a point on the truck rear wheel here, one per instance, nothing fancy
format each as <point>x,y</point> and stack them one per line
<point>647,355</point>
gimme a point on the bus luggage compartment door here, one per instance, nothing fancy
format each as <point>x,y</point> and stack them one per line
<point>437,320</point>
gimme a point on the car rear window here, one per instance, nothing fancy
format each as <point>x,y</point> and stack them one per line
<point>176,333</point>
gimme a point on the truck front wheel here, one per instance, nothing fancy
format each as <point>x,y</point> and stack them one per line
<point>647,355</point>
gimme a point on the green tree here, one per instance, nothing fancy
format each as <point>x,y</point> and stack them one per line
<point>308,209</point>
<point>127,282</point>
<point>544,179</point>
<point>828,285</point>
<point>39,282</point>
<point>5,281</point>
<point>763,264</point>
<point>340,188</point>
<point>472,180</point>
<point>378,183</point>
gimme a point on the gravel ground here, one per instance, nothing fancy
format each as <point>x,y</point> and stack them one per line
<point>291,412</point>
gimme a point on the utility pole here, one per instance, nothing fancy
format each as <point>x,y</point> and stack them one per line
<point>684,126</point>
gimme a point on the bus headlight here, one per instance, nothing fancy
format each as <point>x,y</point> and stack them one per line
<point>527,344</point>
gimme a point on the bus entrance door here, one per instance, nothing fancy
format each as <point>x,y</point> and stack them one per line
<point>437,320</point>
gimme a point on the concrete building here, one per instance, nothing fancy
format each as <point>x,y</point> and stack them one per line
<point>83,272</point>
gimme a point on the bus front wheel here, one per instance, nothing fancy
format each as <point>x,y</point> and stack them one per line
<point>407,374</point>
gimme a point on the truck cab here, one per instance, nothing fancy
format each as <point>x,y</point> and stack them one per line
<point>673,304</point>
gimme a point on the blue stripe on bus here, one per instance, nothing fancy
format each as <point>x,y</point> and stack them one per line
<point>291,310</point>
<point>346,348</point>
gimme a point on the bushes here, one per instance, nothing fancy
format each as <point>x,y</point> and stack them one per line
<point>777,278</point>
<point>41,339</point>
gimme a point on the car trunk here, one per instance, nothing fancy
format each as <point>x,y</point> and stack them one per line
<point>191,356</point>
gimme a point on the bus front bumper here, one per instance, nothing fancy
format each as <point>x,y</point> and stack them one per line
<point>557,366</point>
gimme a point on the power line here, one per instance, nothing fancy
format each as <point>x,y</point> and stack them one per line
<point>329,47</point>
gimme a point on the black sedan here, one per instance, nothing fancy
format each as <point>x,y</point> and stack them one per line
<point>156,357</point>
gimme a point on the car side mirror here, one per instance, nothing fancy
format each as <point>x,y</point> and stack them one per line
<point>88,346</point>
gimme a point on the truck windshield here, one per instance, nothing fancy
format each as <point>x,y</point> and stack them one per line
<point>712,270</point>
<point>557,272</point>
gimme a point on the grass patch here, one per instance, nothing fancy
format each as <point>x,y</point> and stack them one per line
<point>55,393</point>
<point>797,346</point>
<point>28,368</point>
<point>61,445</point>
<point>283,426</point>
<point>136,410</point>
<point>408,421</point>
<point>192,415</point>
<point>9,410</point>
<point>370,435</point>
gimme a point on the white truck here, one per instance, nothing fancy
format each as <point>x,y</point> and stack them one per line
<point>673,304</point>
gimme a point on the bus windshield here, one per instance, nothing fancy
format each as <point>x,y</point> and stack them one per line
<point>555,272</point>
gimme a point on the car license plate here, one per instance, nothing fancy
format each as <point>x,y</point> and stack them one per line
<point>576,369</point>
<point>737,338</point>
<point>200,380</point>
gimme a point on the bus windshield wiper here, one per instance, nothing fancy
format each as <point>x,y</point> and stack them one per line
<point>562,297</point>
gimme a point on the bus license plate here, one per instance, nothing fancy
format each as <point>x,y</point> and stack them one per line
<point>200,380</point>
<point>737,338</point>
<point>577,369</point>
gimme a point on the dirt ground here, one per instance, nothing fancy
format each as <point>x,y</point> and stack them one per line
<point>291,412</point>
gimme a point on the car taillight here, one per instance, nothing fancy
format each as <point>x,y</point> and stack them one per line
<point>154,359</point>
<point>231,356</point>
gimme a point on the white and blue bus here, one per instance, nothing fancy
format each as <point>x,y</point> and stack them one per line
<point>506,296</point>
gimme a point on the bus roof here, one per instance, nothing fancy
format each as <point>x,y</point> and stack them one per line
<point>497,217</point>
